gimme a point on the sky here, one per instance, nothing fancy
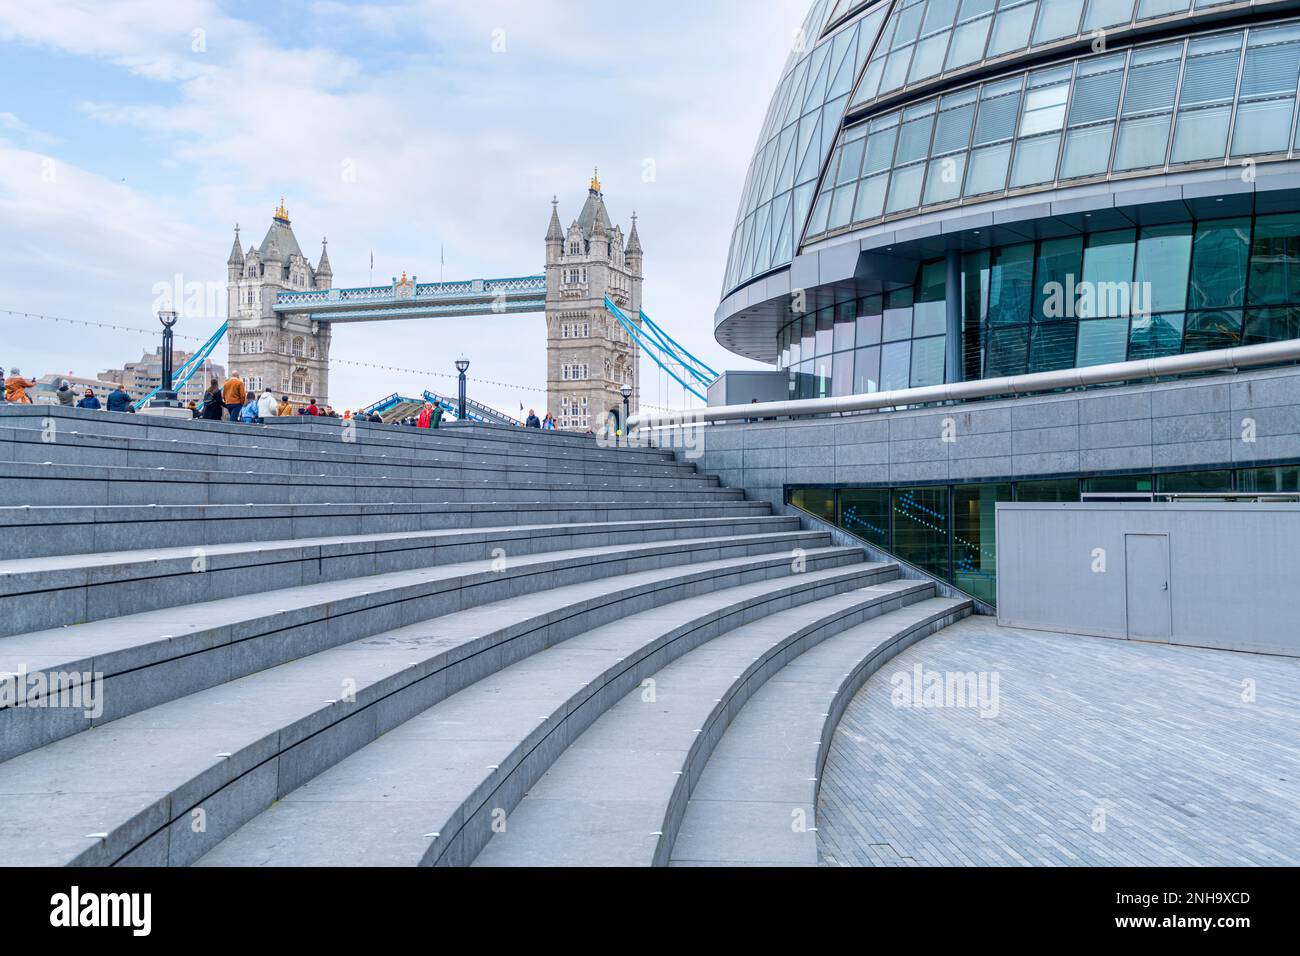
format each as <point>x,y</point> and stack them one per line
<point>134,135</point>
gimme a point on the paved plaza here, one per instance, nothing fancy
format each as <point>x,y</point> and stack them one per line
<point>1101,752</point>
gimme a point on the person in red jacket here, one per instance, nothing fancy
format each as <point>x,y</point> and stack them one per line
<point>426,416</point>
<point>311,408</point>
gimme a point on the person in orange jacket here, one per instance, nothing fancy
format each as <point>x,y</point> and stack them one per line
<point>233,396</point>
<point>16,388</point>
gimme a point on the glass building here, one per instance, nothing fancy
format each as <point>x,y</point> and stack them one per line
<point>950,190</point>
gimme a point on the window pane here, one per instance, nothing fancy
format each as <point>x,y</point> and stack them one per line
<point>842,373</point>
<point>1102,341</point>
<point>1275,260</point>
<point>988,170</point>
<point>1060,264</point>
<point>1283,478</point>
<point>844,326</point>
<point>1035,160</point>
<point>1201,134</point>
<point>1051,489</point>
<point>1107,13</point>
<point>1263,127</point>
<point>1087,151</point>
<point>1219,258</point>
<point>1212,330</point>
<point>865,513</point>
<point>1152,336</point>
<point>815,501</point>
<point>869,317</point>
<point>1196,481</point>
<point>943,180</point>
<point>905,188</point>
<point>974,537</point>
<point>1011,29</point>
<point>1052,345</point>
<point>898,324</point>
<point>1142,142</point>
<point>1011,277</point>
<point>968,43</point>
<point>1058,18</point>
<point>866,371</point>
<point>825,331</point>
<point>921,527</point>
<point>927,361</point>
<point>1007,352</point>
<point>871,198</point>
<point>1271,325</point>
<point>1107,274</point>
<point>1163,262</point>
<point>895,366</point>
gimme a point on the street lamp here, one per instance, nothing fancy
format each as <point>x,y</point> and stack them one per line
<point>627,394</point>
<point>166,395</point>
<point>462,366</point>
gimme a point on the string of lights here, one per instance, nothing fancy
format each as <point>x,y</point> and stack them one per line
<point>16,314</point>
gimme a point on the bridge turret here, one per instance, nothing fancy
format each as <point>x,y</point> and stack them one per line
<point>554,234</point>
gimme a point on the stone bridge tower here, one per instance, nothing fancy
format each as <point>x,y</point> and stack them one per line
<point>290,353</point>
<point>589,355</point>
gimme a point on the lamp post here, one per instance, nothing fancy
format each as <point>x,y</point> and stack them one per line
<point>462,366</point>
<point>627,394</point>
<point>166,395</point>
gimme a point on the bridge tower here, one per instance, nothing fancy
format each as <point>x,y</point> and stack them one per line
<point>589,355</point>
<point>289,353</point>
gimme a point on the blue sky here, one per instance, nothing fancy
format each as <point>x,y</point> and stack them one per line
<point>133,136</point>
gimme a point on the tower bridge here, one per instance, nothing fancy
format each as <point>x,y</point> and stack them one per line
<point>282,309</point>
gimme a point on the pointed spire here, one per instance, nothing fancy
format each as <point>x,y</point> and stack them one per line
<point>634,240</point>
<point>236,254</point>
<point>281,213</point>
<point>324,267</point>
<point>555,232</point>
<point>595,179</point>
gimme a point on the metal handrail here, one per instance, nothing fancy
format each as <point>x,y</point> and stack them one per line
<point>1217,360</point>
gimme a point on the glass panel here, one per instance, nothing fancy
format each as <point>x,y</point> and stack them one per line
<point>1201,134</point>
<point>815,501</point>
<point>968,43</point>
<point>1152,336</point>
<point>822,377</point>
<point>943,180</point>
<point>1278,478</point>
<point>1142,142</point>
<point>845,319</point>
<point>1011,277</point>
<point>871,198</point>
<point>1163,263</point>
<point>1107,13</point>
<point>1263,127</point>
<point>1220,329</point>
<point>1008,349</point>
<point>988,170</point>
<point>905,188</point>
<point>865,513</point>
<point>927,361</point>
<point>842,373</point>
<point>1052,346</point>
<point>921,527</point>
<point>1102,341</point>
<point>1196,481</point>
<point>1035,161</point>
<point>895,366</point>
<point>1275,260</point>
<point>866,371</point>
<point>1159,8</point>
<point>869,320</point>
<point>1058,18</point>
<point>1087,151</point>
<point>825,331</point>
<point>898,324</point>
<point>1272,325</point>
<point>1219,257</point>
<point>1052,489</point>
<point>1011,29</point>
<point>1118,484</point>
<point>1060,265</point>
<point>1107,274</point>
<point>974,537</point>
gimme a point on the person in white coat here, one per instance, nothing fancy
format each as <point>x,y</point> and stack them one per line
<point>267,405</point>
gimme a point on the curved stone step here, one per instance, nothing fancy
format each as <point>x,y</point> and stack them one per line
<point>53,484</point>
<point>460,767</point>
<point>41,593</point>
<point>165,785</point>
<point>755,801</point>
<point>155,656</point>
<point>343,458</point>
<point>615,797</point>
<point>70,529</point>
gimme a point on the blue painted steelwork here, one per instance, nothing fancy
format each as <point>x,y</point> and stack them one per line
<point>384,404</point>
<point>650,347</point>
<point>659,331</point>
<point>475,411</point>
<point>192,365</point>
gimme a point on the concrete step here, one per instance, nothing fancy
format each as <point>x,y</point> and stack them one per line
<point>48,592</point>
<point>165,785</point>
<point>457,768</point>
<point>615,797</point>
<point>339,457</point>
<point>755,802</point>
<point>43,531</point>
<point>42,484</point>
<point>150,657</point>
<point>312,434</point>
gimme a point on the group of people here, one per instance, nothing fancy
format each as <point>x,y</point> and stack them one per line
<point>234,400</point>
<point>547,423</point>
<point>15,392</point>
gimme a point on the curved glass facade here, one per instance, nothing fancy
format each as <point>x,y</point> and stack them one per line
<point>1214,98</point>
<point>925,39</point>
<point>1065,302</point>
<point>802,121</point>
